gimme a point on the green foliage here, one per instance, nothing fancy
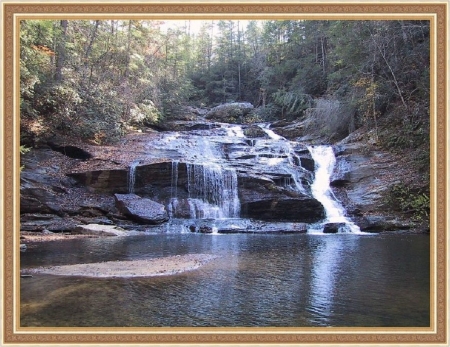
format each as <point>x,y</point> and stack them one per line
<point>407,200</point>
<point>292,102</point>
<point>23,149</point>
<point>93,78</point>
<point>270,112</point>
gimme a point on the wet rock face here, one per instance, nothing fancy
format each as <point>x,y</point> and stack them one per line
<point>306,210</point>
<point>140,209</point>
<point>332,228</point>
<point>104,181</point>
<point>362,177</point>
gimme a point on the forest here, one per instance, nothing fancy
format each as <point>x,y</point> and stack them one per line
<point>98,79</point>
<point>226,173</point>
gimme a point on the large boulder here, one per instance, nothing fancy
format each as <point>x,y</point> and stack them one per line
<point>140,209</point>
<point>230,113</point>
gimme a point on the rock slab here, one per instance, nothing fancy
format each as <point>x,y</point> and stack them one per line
<point>99,230</point>
<point>142,210</point>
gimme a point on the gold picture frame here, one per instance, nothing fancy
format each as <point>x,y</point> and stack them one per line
<point>13,11</point>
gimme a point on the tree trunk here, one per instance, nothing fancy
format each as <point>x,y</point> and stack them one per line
<point>61,51</point>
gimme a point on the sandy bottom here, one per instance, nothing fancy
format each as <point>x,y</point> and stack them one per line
<point>132,268</point>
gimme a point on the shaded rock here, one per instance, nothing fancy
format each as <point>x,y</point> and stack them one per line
<point>377,223</point>
<point>140,209</point>
<point>307,163</point>
<point>289,129</point>
<point>99,230</point>
<point>268,228</point>
<point>366,176</point>
<point>103,181</point>
<point>332,228</point>
<point>203,229</point>
<point>99,220</point>
<point>307,210</point>
<point>230,113</point>
<point>188,125</point>
<point>70,151</point>
<point>54,223</point>
<point>254,131</point>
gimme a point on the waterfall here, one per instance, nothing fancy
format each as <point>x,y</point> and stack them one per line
<point>270,133</point>
<point>212,191</point>
<point>324,161</point>
<point>132,176</point>
<point>284,148</point>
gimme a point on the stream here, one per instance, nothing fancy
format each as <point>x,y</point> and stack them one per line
<point>305,280</point>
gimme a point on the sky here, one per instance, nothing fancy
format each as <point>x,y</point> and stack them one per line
<point>195,24</point>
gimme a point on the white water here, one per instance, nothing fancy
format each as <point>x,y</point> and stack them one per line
<point>284,149</point>
<point>270,133</point>
<point>132,176</point>
<point>325,160</point>
<point>212,188</point>
<point>212,191</point>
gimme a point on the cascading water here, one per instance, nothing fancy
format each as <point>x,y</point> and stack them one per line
<point>284,149</point>
<point>205,168</point>
<point>211,183</point>
<point>324,161</point>
<point>132,176</point>
<point>212,191</point>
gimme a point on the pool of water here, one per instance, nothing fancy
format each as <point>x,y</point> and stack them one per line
<point>339,280</point>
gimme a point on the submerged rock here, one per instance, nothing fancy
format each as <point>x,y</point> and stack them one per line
<point>332,228</point>
<point>140,209</point>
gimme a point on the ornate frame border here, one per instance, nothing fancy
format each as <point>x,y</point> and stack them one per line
<point>437,333</point>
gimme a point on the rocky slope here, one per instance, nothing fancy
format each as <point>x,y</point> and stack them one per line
<point>60,191</point>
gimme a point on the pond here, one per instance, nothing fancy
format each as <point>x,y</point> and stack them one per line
<point>300,280</point>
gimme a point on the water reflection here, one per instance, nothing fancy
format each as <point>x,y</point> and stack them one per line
<point>257,280</point>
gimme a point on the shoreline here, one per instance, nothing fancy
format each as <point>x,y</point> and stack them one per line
<point>27,237</point>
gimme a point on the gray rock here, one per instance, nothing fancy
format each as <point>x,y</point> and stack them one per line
<point>332,228</point>
<point>140,209</point>
<point>306,210</point>
<point>99,230</point>
<point>230,113</point>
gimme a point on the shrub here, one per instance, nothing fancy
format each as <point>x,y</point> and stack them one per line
<point>331,119</point>
<point>410,201</point>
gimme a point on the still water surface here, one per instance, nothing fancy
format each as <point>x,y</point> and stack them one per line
<point>257,280</point>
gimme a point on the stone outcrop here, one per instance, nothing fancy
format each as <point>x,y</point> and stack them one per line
<point>362,179</point>
<point>273,179</point>
<point>307,210</point>
<point>140,209</point>
<point>230,113</point>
